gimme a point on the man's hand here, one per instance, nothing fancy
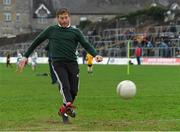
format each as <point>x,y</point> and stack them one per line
<point>98,58</point>
<point>22,64</point>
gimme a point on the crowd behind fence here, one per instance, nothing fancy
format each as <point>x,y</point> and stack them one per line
<point>113,43</point>
<point>166,52</point>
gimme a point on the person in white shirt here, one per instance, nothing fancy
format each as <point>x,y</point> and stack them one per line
<point>19,57</point>
<point>34,61</point>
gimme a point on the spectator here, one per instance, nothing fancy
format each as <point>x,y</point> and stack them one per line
<point>149,48</point>
<point>138,53</point>
<point>84,56</point>
<point>52,74</point>
<point>8,63</point>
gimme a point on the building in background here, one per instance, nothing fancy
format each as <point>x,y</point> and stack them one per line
<point>27,16</point>
<point>15,16</point>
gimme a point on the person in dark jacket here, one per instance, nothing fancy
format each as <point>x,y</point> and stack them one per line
<point>52,74</point>
<point>138,53</point>
<point>63,41</point>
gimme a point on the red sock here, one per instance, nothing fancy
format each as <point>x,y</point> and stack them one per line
<point>68,104</point>
<point>62,109</point>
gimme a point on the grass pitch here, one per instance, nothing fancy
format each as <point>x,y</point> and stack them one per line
<point>30,102</point>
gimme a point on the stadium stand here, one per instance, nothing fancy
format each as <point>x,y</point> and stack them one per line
<point>163,42</point>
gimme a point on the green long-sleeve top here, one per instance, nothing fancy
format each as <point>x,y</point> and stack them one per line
<point>62,43</point>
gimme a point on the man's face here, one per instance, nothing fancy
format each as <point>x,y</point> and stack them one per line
<point>63,19</point>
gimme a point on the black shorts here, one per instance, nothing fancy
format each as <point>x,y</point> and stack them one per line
<point>90,65</point>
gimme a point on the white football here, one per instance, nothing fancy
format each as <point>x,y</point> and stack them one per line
<point>126,89</point>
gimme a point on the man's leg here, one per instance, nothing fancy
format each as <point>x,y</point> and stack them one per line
<point>7,63</point>
<point>73,69</point>
<point>61,73</point>
<point>138,60</point>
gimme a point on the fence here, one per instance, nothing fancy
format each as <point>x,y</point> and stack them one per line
<point>169,52</point>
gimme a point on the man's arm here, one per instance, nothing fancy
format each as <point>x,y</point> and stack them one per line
<point>22,64</point>
<point>89,48</point>
<point>37,41</point>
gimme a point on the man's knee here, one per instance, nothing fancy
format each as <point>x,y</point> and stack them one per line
<point>74,92</point>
